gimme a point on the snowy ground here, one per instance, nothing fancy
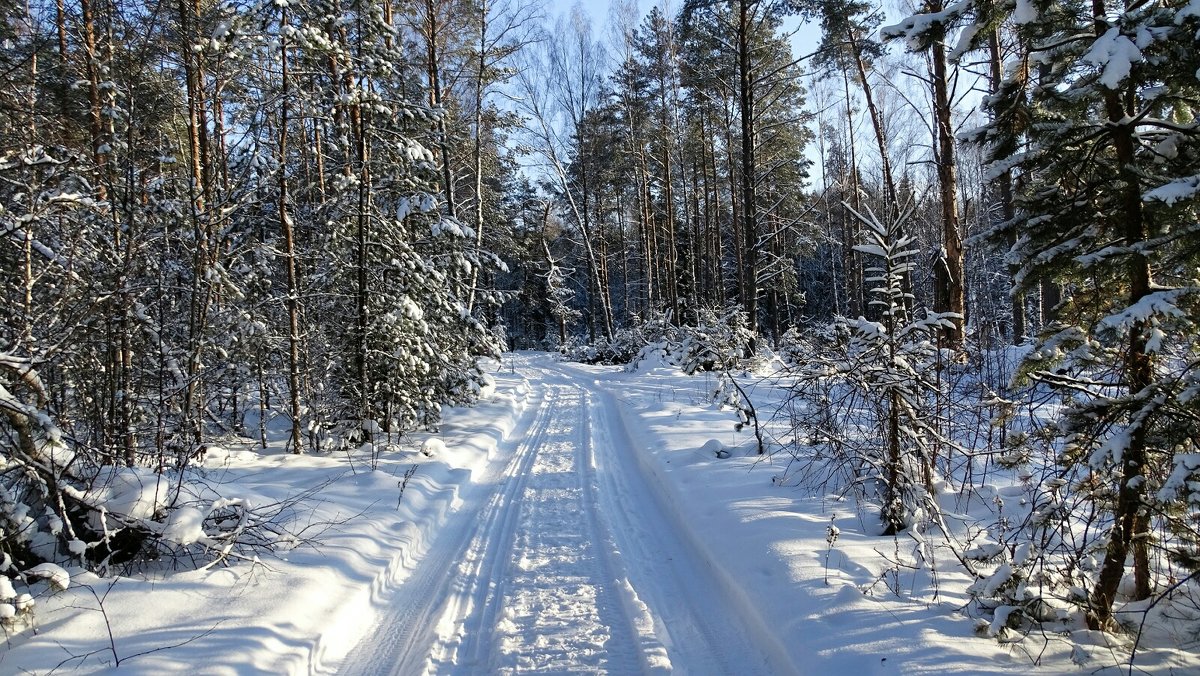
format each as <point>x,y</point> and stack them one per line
<point>578,521</point>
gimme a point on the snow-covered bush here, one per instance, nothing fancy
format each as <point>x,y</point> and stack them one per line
<point>623,348</point>
<point>717,342</point>
<point>793,348</point>
<point>559,296</point>
<point>1053,539</point>
<point>60,505</point>
<point>1031,570</point>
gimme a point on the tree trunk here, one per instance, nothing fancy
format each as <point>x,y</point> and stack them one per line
<point>289,249</point>
<point>950,296</point>
<point>435,100</point>
<point>850,259</point>
<point>201,292</point>
<point>1004,182</point>
<point>95,112</point>
<point>1131,527</point>
<point>477,148</point>
<point>362,236</point>
<point>749,171</point>
<point>891,198</point>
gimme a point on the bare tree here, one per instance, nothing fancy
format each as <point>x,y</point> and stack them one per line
<point>556,108</point>
<point>502,28</point>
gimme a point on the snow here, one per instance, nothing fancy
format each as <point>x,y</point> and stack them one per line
<point>1163,303</point>
<point>433,447</point>
<point>966,40</point>
<point>1190,10</point>
<point>579,519</point>
<point>1186,466</point>
<point>916,28</point>
<point>1025,12</point>
<point>1115,55</point>
<point>137,492</point>
<point>1176,191</point>
<point>715,448</point>
<point>185,526</point>
<point>303,608</point>
<point>59,578</point>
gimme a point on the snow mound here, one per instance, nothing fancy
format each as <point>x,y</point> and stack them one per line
<point>716,448</point>
<point>485,388</point>
<point>433,446</point>
<point>136,492</point>
<point>59,578</point>
<point>185,526</point>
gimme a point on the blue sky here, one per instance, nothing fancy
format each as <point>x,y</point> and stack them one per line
<point>803,42</point>
<point>599,9</point>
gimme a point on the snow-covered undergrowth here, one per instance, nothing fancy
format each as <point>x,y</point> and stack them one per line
<point>716,341</point>
<point>320,540</point>
<point>987,576</point>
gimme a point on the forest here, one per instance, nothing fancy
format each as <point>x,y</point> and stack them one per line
<point>969,232</point>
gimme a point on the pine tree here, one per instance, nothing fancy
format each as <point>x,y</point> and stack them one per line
<point>930,32</point>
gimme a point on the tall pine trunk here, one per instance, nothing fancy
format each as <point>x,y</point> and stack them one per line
<point>950,293</point>
<point>289,249</point>
<point>749,295</point>
<point>1130,530</point>
<point>1005,184</point>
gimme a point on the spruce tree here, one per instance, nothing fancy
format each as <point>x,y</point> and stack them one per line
<point>1108,146</point>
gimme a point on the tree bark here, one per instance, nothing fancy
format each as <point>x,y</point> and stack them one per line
<point>435,100</point>
<point>289,249</point>
<point>1130,530</point>
<point>854,280</point>
<point>950,296</point>
<point>1004,183</point>
<point>749,170</point>
<point>477,146</point>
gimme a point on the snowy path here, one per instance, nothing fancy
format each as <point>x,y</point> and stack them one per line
<point>566,560</point>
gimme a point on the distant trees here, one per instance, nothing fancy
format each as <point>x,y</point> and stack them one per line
<point>741,61</point>
<point>675,204</point>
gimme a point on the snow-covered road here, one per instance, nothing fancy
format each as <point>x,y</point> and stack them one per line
<point>565,559</point>
<point>576,519</point>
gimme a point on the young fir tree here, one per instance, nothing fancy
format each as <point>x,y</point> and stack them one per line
<point>886,363</point>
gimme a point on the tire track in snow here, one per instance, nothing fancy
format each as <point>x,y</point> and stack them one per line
<point>543,595</point>
<point>705,630</point>
<point>651,652</point>
<point>401,643</point>
<point>466,624</point>
<point>669,579</point>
